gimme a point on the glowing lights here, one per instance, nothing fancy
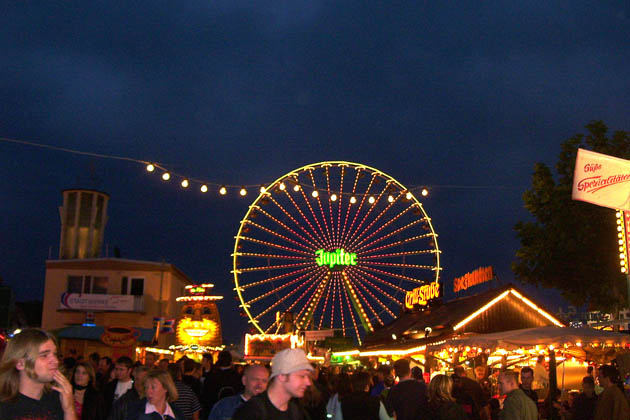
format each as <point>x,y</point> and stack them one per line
<point>371,200</point>
<point>353,200</point>
<point>621,228</point>
<point>282,186</point>
<point>197,298</point>
<point>150,167</point>
<point>408,196</point>
<point>315,194</point>
<point>390,198</point>
<point>243,192</point>
<point>333,197</point>
<point>154,350</point>
<point>337,257</point>
<point>166,176</point>
<point>262,189</point>
<point>223,190</point>
<point>296,188</point>
<point>424,192</point>
<point>204,188</point>
<point>184,183</point>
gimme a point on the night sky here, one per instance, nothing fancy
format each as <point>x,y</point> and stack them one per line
<point>460,97</point>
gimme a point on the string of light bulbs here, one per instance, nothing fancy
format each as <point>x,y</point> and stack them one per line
<point>205,186</point>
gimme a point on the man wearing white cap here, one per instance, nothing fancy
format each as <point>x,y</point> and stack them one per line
<point>290,376</point>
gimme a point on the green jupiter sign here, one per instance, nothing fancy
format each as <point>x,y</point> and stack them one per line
<point>335,258</point>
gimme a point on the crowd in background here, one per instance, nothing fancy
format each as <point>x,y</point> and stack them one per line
<point>293,388</point>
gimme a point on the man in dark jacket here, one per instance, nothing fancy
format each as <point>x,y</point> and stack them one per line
<point>408,398</point>
<point>222,382</point>
<point>136,393</point>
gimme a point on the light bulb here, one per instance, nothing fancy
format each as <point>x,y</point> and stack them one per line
<point>390,198</point>
<point>150,167</point>
<point>353,200</point>
<point>282,186</point>
<point>262,189</point>
<point>296,188</point>
<point>408,196</point>
<point>425,192</point>
<point>333,197</point>
<point>371,200</point>
<point>243,192</point>
<point>204,188</point>
<point>223,190</point>
<point>166,176</point>
<point>185,183</point>
<point>315,194</point>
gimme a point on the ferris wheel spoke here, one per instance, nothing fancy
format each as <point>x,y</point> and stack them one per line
<point>339,208</point>
<point>367,271</point>
<point>356,304</point>
<point>354,189</point>
<point>286,212</point>
<point>399,265</point>
<point>363,277</point>
<point>386,224</point>
<point>330,207</point>
<point>321,318</point>
<point>274,256</point>
<point>354,322</point>
<point>360,284</point>
<point>341,307</point>
<point>274,245</point>
<point>306,314</point>
<point>332,302</point>
<point>279,301</point>
<point>396,275</point>
<point>400,254</point>
<point>274,278</point>
<point>319,226</point>
<point>275,290</point>
<point>285,227</point>
<point>278,235</point>
<point>360,295</point>
<point>321,208</point>
<point>273,267</point>
<point>390,234</point>
<point>364,251</point>
<point>358,210</point>
<point>352,235</point>
<point>358,234</point>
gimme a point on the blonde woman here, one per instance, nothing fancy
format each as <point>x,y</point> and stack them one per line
<point>31,385</point>
<point>442,405</point>
<point>160,391</point>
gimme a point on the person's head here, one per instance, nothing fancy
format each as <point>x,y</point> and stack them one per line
<point>139,373</point>
<point>255,378</point>
<point>83,375</point>
<point>163,364</point>
<point>588,386</point>
<point>441,390</point>
<point>416,373</point>
<point>527,377</point>
<point>207,361</point>
<point>402,369</point>
<point>481,372</point>
<point>104,365</point>
<point>224,359</point>
<point>360,381</point>
<point>608,376</point>
<point>159,387</point>
<point>149,359</point>
<point>189,366</point>
<point>30,356</point>
<point>589,370</point>
<point>174,371</point>
<point>123,369</point>
<point>457,380</point>
<point>460,371</point>
<point>540,360</point>
<point>508,381</point>
<point>291,372</point>
<point>94,358</point>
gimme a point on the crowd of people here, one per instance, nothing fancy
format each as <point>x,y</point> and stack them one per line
<point>35,385</point>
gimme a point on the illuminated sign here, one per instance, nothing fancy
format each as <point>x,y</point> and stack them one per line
<point>197,290</point>
<point>480,275</point>
<point>203,332</point>
<point>265,346</point>
<point>337,257</point>
<point>422,295</point>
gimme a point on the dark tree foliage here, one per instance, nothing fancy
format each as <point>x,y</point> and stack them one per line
<point>572,245</point>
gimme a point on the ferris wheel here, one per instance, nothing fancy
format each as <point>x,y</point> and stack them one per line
<point>334,244</point>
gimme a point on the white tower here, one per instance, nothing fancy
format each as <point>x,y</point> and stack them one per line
<point>83,218</point>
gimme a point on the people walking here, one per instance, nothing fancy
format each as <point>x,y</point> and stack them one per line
<point>442,405</point>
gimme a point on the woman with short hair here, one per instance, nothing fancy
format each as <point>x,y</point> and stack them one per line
<point>159,389</point>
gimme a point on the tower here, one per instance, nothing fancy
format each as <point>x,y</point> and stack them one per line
<point>83,218</point>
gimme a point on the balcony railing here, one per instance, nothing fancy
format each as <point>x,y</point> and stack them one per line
<point>100,302</point>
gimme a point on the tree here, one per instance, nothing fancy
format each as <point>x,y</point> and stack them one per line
<point>572,245</point>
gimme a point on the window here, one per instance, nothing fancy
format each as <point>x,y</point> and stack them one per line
<point>87,284</point>
<point>135,287</point>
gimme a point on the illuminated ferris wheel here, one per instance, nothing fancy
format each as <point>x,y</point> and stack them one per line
<point>334,244</point>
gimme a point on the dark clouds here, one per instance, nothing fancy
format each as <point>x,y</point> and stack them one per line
<point>461,94</point>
